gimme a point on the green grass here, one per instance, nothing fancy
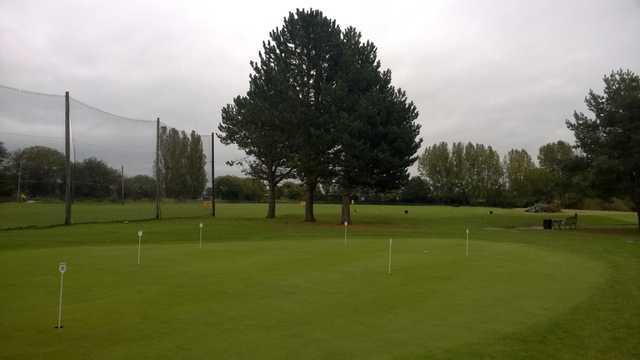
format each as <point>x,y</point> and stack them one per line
<point>14,215</point>
<point>274,289</point>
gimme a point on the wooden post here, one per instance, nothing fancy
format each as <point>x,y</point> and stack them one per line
<point>158,168</point>
<point>213,176</point>
<point>122,183</point>
<point>67,165</point>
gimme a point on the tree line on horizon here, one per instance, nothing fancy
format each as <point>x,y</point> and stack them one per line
<point>40,170</point>
<point>475,174</point>
<point>449,174</point>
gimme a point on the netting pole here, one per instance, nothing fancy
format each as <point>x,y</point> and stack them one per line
<point>158,168</point>
<point>19,181</point>
<point>67,165</point>
<point>122,182</point>
<point>73,171</point>
<point>213,176</point>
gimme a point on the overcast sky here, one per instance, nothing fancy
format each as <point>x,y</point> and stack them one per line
<point>504,73</point>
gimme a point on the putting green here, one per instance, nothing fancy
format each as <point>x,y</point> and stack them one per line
<point>298,299</point>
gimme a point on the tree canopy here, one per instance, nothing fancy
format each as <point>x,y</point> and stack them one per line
<point>307,52</point>
<point>377,136</point>
<point>462,174</point>
<point>257,123</point>
<point>41,169</point>
<point>235,188</point>
<point>5,187</point>
<point>610,140</point>
<point>182,164</point>
<point>93,178</point>
<point>3,153</point>
<point>320,106</point>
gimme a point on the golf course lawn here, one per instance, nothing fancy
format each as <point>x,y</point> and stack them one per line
<point>282,288</point>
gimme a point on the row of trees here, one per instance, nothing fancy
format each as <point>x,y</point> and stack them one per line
<point>182,164</point>
<point>39,171</point>
<point>320,109</point>
<point>460,174</point>
<point>463,173</point>
<point>476,174</point>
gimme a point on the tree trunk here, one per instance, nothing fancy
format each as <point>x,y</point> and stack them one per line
<point>310,189</point>
<point>346,209</point>
<point>271,212</point>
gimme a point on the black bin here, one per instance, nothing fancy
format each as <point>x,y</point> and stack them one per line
<point>547,224</point>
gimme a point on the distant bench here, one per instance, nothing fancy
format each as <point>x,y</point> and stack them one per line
<point>569,223</point>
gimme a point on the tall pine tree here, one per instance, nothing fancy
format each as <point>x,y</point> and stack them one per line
<point>196,162</point>
<point>261,136</point>
<point>306,52</point>
<point>259,123</point>
<point>376,137</point>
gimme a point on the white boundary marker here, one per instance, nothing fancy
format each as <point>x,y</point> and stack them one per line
<point>139,245</point>
<point>62,267</point>
<point>389,266</point>
<point>201,235</point>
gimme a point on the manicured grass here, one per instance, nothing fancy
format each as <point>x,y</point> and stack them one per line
<point>39,214</point>
<point>273,289</point>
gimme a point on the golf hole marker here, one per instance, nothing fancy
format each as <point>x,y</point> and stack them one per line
<point>467,246</point>
<point>139,245</point>
<point>201,235</point>
<point>389,265</point>
<point>346,224</point>
<point>62,268</point>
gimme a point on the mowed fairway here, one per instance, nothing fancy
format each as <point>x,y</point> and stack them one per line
<point>274,289</point>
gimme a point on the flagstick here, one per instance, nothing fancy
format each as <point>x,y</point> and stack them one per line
<point>389,267</point>
<point>467,251</point>
<point>139,245</point>
<point>62,268</point>
<point>345,233</point>
<point>201,235</point>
